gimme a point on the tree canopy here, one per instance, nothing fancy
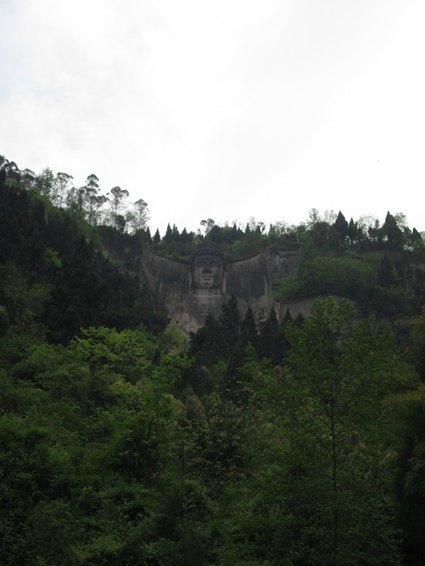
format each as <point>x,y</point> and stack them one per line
<point>125,441</point>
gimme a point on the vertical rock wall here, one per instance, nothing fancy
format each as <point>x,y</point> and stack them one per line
<point>190,291</point>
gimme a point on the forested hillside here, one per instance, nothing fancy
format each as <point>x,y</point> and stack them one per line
<point>126,442</point>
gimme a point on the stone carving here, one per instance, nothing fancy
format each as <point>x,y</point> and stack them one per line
<point>207,271</point>
<point>189,291</point>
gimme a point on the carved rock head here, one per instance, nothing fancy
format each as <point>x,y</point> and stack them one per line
<point>207,268</point>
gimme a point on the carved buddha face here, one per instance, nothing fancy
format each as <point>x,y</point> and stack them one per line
<point>207,271</point>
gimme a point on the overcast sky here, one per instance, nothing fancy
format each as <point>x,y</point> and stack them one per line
<point>227,109</point>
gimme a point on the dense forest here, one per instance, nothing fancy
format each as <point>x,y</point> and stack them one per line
<point>124,441</point>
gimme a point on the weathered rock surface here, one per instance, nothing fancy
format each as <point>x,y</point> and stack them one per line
<point>189,291</point>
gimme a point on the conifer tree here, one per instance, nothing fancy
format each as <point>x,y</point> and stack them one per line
<point>168,237</point>
<point>341,225</point>
<point>392,232</point>
<point>270,340</point>
<point>248,328</point>
<point>156,238</point>
<point>230,323</point>
<point>207,344</point>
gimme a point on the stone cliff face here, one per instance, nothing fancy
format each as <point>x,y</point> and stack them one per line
<point>189,291</point>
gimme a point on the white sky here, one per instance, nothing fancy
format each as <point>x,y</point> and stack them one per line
<point>225,109</point>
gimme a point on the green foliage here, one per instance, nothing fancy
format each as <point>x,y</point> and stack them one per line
<point>341,275</point>
<point>409,408</point>
<point>121,443</point>
<point>336,468</point>
<point>80,419</point>
<point>45,184</point>
<point>270,340</point>
<point>102,463</point>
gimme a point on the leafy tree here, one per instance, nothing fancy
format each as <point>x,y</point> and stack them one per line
<point>62,186</point>
<point>324,275</point>
<point>95,204</point>
<point>118,197</point>
<point>139,215</point>
<point>90,291</point>
<point>410,409</point>
<point>207,225</point>
<point>338,375</point>
<point>83,201</point>
<point>45,183</point>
